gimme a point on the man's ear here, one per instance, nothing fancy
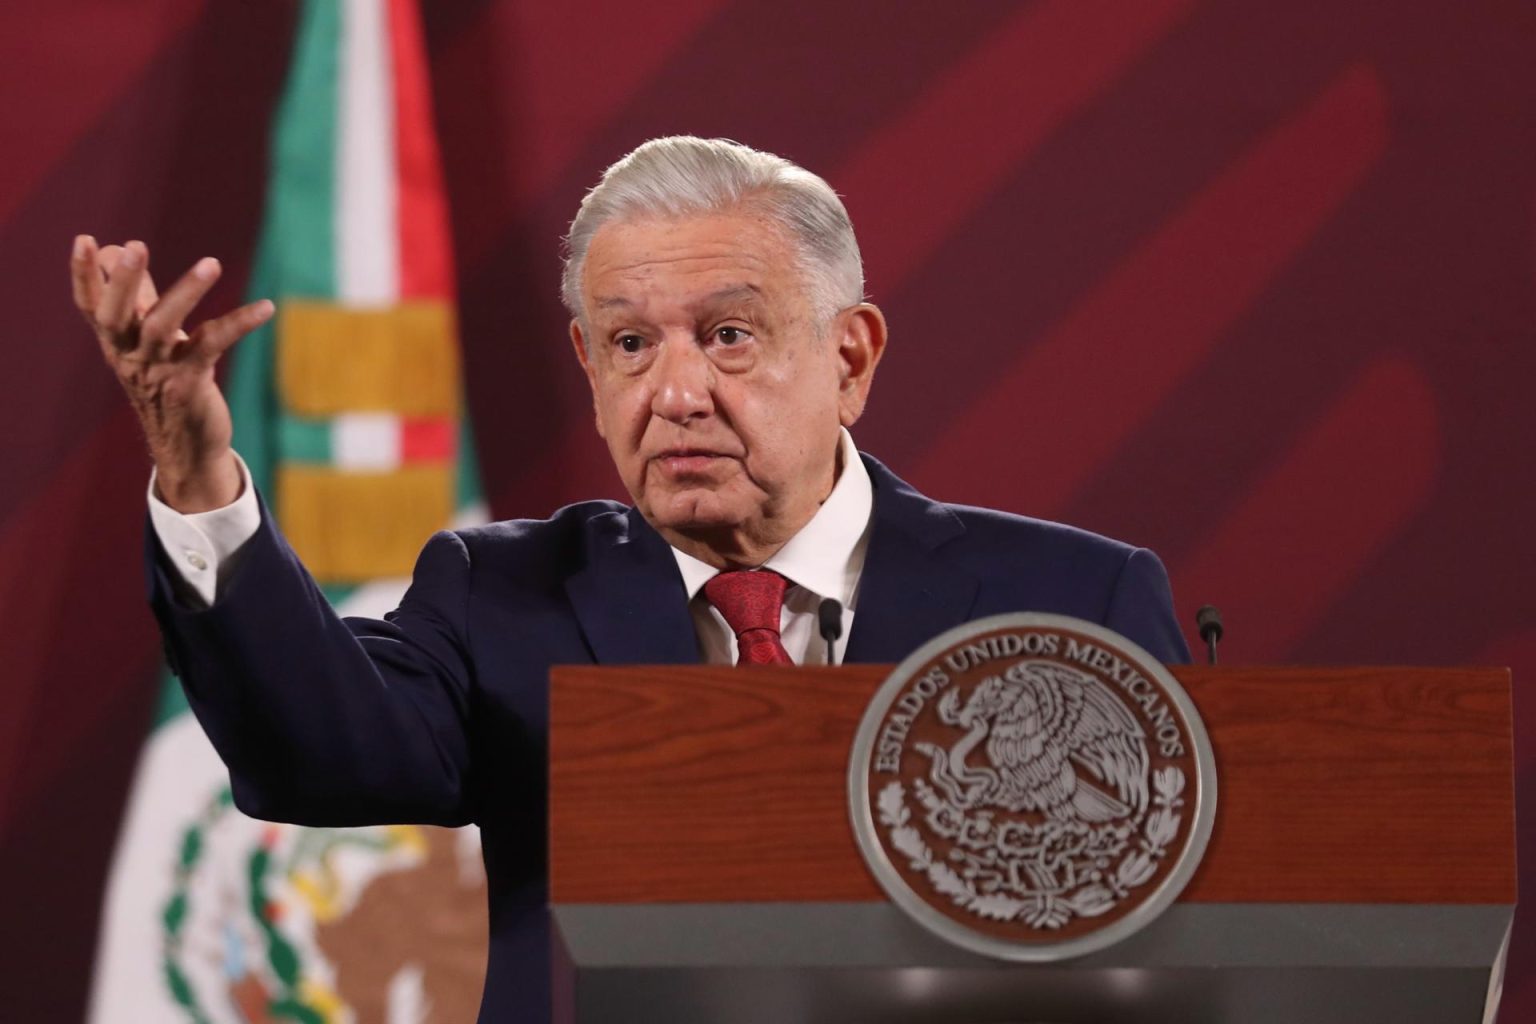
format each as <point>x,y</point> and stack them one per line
<point>861,335</point>
<point>579,343</point>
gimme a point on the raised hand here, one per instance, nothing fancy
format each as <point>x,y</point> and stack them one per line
<point>166,371</point>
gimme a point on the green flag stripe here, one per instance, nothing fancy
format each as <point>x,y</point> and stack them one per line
<point>172,702</point>
<point>296,258</point>
<point>249,386</point>
<point>303,439</point>
<point>467,478</point>
<point>302,190</point>
<point>296,254</point>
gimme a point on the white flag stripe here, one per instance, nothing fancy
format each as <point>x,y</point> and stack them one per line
<point>365,441</point>
<point>367,216</point>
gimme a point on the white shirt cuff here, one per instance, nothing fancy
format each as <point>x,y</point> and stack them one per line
<point>204,546</point>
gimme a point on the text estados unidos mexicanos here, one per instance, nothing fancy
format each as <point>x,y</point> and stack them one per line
<point>893,734</point>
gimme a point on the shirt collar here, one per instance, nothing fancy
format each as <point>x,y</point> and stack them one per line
<point>825,557</point>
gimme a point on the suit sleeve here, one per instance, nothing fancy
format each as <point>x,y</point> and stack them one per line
<point>323,720</point>
<point>1141,608</point>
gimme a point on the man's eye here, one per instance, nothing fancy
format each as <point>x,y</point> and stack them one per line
<point>631,343</point>
<point>731,335</point>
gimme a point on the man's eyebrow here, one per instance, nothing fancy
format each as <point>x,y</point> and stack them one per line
<point>733,293</point>
<point>612,302</point>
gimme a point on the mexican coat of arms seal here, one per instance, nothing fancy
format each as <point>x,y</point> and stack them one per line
<point>1032,787</point>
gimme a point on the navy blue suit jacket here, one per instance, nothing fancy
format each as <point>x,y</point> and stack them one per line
<point>439,713</point>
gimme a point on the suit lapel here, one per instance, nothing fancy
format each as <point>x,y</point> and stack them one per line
<point>630,603</point>
<point>908,593</point>
<point>629,597</point>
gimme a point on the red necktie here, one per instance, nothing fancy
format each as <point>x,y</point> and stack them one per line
<point>751,603</point>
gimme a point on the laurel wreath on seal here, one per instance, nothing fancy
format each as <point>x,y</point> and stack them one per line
<point>1044,906</point>
<point>291,993</point>
<point>282,957</point>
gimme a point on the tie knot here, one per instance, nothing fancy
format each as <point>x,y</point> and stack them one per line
<point>748,599</point>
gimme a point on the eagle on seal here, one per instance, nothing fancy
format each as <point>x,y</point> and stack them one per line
<point>1042,723</point>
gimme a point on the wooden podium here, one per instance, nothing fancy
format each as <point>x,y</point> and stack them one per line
<point>703,867</point>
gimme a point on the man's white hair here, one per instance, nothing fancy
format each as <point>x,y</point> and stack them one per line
<point>682,175</point>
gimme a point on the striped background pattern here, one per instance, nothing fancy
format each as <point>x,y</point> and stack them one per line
<point>1249,283</point>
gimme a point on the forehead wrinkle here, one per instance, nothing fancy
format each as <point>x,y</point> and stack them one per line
<point>659,256</point>
<point>626,279</point>
<point>745,294</point>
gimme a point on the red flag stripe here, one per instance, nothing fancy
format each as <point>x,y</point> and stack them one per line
<point>426,252</point>
<point>427,440</point>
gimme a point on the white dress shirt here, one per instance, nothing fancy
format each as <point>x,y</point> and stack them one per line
<point>825,559</point>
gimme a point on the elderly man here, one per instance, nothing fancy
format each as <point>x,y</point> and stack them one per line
<point>716,295</point>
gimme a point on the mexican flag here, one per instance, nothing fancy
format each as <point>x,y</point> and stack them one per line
<point>348,409</point>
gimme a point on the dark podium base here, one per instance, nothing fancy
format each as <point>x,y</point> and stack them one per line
<point>1200,962</point>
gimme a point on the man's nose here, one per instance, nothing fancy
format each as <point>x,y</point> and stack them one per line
<point>684,380</point>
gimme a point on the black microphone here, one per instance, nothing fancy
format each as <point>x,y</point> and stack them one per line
<point>1208,619</point>
<point>829,622</point>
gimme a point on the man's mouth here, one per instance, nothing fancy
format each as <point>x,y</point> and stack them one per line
<point>686,461</point>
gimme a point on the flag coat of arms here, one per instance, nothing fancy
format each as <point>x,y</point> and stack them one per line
<point>348,411</point>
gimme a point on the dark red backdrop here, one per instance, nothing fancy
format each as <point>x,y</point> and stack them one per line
<point>1250,283</point>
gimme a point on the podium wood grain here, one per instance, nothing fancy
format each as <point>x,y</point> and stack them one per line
<point>1353,785</point>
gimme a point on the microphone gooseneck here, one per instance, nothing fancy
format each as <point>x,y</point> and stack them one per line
<point>1208,620</point>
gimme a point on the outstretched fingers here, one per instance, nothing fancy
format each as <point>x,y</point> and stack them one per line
<point>161,329</point>
<point>113,290</point>
<point>214,337</point>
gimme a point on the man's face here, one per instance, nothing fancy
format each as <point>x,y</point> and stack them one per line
<point>718,392</point>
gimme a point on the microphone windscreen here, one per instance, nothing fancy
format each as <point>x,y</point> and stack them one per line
<point>1208,619</point>
<point>829,619</point>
